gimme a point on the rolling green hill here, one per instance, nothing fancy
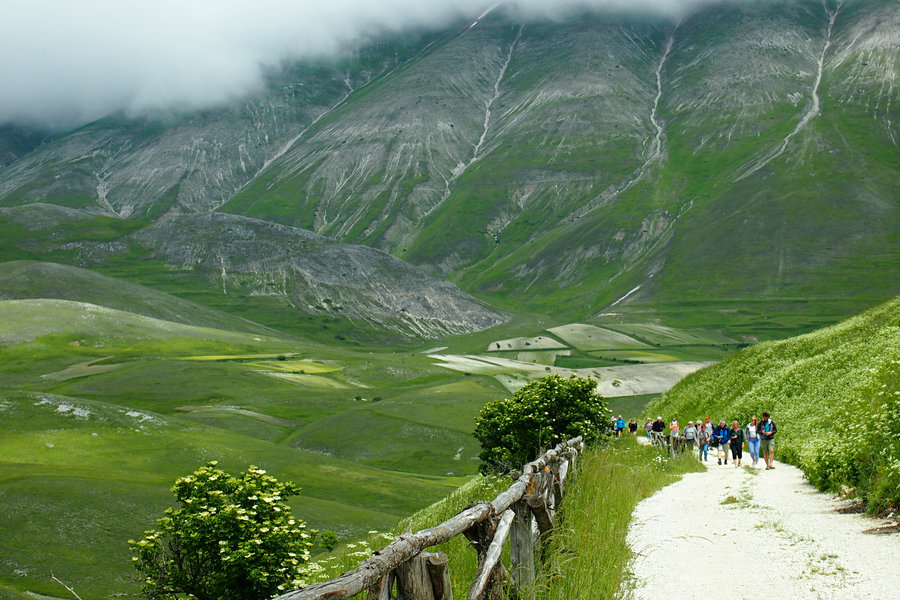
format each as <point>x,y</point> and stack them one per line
<point>834,394</point>
<point>102,409</point>
<point>31,279</point>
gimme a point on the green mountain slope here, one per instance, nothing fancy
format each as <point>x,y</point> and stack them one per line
<point>834,394</point>
<point>743,159</point>
<point>562,165</point>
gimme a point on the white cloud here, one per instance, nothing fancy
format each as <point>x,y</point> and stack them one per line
<point>70,61</point>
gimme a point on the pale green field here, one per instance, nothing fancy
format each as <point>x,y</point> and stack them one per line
<point>591,337</point>
<point>659,335</point>
<point>540,342</point>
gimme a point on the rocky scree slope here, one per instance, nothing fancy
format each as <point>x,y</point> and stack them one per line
<point>238,259</point>
<point>190,162</point>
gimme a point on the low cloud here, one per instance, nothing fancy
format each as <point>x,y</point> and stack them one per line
<point>66,63</point>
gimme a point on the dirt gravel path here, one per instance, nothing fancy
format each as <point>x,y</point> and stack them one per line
<point>751,533</point>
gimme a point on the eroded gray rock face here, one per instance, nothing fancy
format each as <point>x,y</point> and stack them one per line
<point>154,164</point>
<point>316,275</point>
<point>243,257</point>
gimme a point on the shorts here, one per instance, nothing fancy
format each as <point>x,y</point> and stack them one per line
<point>737,451</point>
<point>765,446</point>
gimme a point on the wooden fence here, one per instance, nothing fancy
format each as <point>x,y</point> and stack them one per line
<point>523,514</point>
<point>672,443</point>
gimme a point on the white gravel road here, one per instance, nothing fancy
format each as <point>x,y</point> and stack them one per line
<point>751,533</point>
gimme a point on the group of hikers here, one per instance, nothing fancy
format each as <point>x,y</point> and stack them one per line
<point>758,434</point>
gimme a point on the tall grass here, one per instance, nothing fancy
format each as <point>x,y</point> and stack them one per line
<point>588,556</point>
<point>463,559</point>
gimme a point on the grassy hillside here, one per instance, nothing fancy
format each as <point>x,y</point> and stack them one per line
<point>33,279</point>
<point>834,393</point>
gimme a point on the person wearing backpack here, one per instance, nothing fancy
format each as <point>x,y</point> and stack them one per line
<point>722,437</point>
<point>703,437</point>
<point>767,431</point>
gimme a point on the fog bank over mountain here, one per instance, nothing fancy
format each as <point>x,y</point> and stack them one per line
<point>68,63</point>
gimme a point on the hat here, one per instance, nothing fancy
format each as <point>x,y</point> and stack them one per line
<point>659,417</point>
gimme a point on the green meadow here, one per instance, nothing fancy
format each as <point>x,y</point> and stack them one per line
<point>103,406</point>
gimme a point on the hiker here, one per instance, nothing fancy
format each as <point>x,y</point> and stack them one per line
<point>722,437</point>
<point>753,439</point>
<point>767,431</point>
<point>620,426</point>
<point>657,428</point>
<point>736,441</point>
<point>673,427</point>
<point>703,437</point>
<point>690,435</point>
<point>648,427</point>
<point>632,427</point>
<point>707,424</point>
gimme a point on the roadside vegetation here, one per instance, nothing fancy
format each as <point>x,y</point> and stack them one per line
<point>834,394</point>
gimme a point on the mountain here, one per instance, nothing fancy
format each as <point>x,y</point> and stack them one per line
<point>738,167</point>
<point>225,260</point>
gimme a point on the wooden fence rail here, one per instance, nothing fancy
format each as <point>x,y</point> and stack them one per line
<point>523,513</point>
<point>672,443</point>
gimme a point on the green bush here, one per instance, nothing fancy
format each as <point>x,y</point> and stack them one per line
<point>230,539</point>
<point>547,411</point>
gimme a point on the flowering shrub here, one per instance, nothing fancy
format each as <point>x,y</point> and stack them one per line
<point>542,414</point>
<point>230,538</point>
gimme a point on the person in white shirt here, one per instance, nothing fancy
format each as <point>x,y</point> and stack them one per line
<point>753,440</point>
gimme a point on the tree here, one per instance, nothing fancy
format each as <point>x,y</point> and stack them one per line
<point>230,538</point>
<point>549,410</point>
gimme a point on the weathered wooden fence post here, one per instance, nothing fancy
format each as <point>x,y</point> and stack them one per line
<point>425,576</point>
<point>382,590</point>
<point>524,511</point>
<point>488,581</point>
<point>521,549</point>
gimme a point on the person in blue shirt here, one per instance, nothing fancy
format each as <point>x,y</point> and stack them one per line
<point>723,436</point>
<point>767,431</point>
<point>620,426</point>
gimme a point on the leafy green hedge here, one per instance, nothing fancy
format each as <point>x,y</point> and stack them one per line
<point>834,393</point>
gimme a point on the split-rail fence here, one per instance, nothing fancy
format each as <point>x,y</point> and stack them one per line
<point>523,514</point>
